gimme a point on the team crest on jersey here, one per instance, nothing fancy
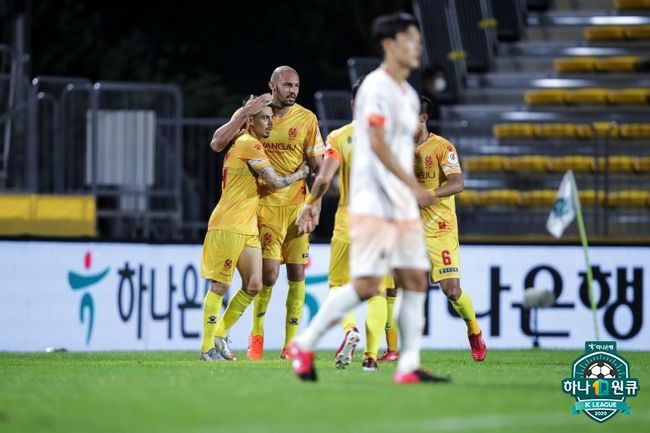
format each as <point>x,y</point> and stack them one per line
<point>267,238</point>
<point>293,133</point>
<point>227,264</point>
<point>428,161</point>
<point>258,146</point>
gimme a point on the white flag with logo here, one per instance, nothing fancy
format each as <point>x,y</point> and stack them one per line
<point>563,211</point>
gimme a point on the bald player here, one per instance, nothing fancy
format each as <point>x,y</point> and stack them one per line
<point>294,138</point>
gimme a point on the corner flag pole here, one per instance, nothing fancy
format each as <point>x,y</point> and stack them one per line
<point>585,249</point>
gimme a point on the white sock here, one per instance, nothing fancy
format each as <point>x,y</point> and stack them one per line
<point>411,322</point>
<point>338,303</point>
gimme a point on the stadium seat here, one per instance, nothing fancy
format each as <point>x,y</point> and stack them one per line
<point>513,130</point>
<point>587,96</point>
<point>485,163</point>
<point>617,64</point>
<point>635,96</point>
<point>468,198</point>
<point>637,32</point>
<point>632,4</point>
<point>643,164</point>
<point>629,198</point>
<point>635,130</point>
<point>588,197</point>
<point>601,129</point>
<point>604,33</point>
<point>538,198</point>
<point>545,97</point>
<point>577,163</point>
<point>529,163</point>
<point>619,164</point>
<point>498,197</point>
<point>575,64</point>
<point>555,130</point>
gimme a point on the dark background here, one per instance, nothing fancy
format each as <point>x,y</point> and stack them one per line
<point>216,51</point>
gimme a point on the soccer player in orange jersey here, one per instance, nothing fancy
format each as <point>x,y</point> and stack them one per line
<point>232,240</point>
<point>438,169</point>
<point>295,137</point>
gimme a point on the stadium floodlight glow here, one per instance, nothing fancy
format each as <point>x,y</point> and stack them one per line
<point>555,83</point>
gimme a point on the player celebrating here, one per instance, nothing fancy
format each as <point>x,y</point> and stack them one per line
<point>233,239</point>
<point>295,136</point>
<point>386,232</point>
<point>338,157</point>
<point>438,169</point>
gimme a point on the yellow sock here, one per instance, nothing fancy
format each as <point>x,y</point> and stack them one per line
<point>234,310</point>
<point>211,309</point>
<point>391,326</point>
<point>347,322</point>
<point>295,304</point>
<point>375,322</point>
<point>463,306</point>
<point>260,304</point>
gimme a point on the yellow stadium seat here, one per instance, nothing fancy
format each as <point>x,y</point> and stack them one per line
<point>629,198</point>
<point>636,96</point>
<point>632,4</point>
<point>485,163</point>
<point>555,130</point>
<point>604,129</point>
<point>575,64</point>
<point>513,130</point>
<point>643,164</point>
<point>14,209</point>
<point>577,163</point>
<point>498,197</point>
<point>538,198</point>
<point>617,64</point>
<point>637,32</point>
<point>529,163</point>
<point>545,97</point>
<point>604,33</point>
<point>468,198</point>
<point>587,96</point>
<point>619,164</point>
<point>635,130</point>
<point>588,197</point>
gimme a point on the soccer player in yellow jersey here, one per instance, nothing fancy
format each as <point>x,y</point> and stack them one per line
<point>437,168</point>
<point>232,240</point>
<point>337,160</point>
<point>294,137</point>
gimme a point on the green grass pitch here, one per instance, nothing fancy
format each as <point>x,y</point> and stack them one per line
<point>164,392</point>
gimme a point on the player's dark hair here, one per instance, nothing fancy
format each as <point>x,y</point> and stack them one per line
<point>425,105</point>
<point>356,85</point>
<point>388,26</point>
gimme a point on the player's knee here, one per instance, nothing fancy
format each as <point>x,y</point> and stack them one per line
<point>254,286</point>
<point>270,275</point>
<point>295,272</point>
<point>451,289</point>
<point>218,288</point>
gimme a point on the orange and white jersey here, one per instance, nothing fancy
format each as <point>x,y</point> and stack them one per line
<point>374,190</point>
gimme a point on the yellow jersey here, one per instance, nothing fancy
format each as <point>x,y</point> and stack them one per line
<point>237,209</point>
<point>293,137</point>
<point>435,159</point>
<point>339,146</point>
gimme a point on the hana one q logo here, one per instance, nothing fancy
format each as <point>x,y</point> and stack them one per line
<point>600,382</point>
<point>81,282</point>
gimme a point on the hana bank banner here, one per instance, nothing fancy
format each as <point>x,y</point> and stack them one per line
<point>110,296</point>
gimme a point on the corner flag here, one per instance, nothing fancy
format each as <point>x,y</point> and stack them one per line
<point>563,211</point>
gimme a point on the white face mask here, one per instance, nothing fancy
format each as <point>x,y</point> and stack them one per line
<point>440,84</point>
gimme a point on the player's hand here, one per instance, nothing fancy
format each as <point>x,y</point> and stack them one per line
<point>254,105</point>
<point>423,197</point>
<point>303,170</point>
<point>305,219</point>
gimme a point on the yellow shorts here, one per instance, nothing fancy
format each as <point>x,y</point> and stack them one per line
<point>279,234</point>
<point>221,250</point>
<point>339,270</point>
<point>444,254</point>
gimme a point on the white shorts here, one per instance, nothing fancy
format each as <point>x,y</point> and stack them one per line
<point>377,246</point>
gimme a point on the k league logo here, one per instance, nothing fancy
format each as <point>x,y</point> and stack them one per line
<point>600,382</point>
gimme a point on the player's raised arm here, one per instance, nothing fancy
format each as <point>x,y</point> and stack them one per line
<point>276,181</point>
<point>225,133</point>
<point>308,218</point>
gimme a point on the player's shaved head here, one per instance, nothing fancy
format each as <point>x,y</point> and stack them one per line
<point>281,72</point>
